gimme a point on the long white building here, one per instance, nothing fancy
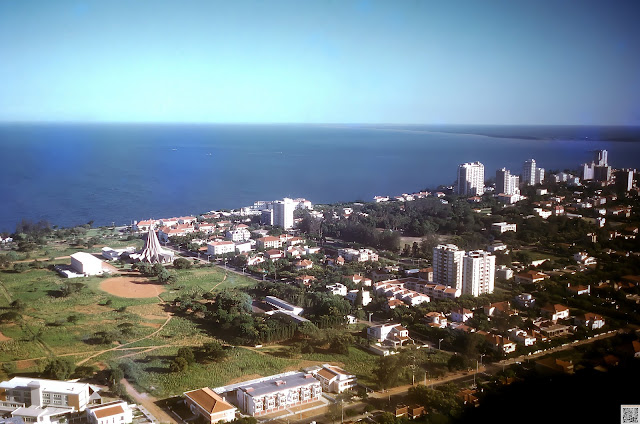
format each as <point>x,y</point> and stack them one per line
<point>479,269</point>
<point>470,179</point>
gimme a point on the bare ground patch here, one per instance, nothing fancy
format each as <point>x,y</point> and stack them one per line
<point>4,338</point>
<point>131,287</point>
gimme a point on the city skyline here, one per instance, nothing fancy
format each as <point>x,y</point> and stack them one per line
<point>320,62</point>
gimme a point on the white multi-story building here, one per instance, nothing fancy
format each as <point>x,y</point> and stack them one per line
<point>220,247</point>
<point>359,255</point>
<point>503,227</point>
<point>239,233</point>
<point>506,183</point>
<point>470,179</point>
<point>277,393</point>
<point>352,296</point>
<point>479,268</point>
<point>447,265</point>
<point>529,172</point>
<point>334,379</point>
<point>283,212</point>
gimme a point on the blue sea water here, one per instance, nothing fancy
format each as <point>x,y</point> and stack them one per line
<point>70,174</point>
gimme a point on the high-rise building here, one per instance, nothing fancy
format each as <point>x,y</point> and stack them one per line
<point>602,173</point>
<point>478,273</point>
<point>539,175</point>
<point>507,183</point>
<point>600,158</point>
<point>529,172</point>
<point>470,179</point>
<point>447,265</point>
<point>624,179</point>
<point>586,171</point>
<point>283,213</point>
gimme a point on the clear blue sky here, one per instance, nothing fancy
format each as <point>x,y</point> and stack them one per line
<point>339,61</point>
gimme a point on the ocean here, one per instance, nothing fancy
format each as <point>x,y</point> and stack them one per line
<point>70,174</point>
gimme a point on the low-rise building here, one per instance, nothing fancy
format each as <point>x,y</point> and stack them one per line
<point>530,277</point>
<point>86,264</point>
<point>220,247</point>
<point>392,334</point>
<point>525,300</point>
<point>502,227</point>
<point>352,296</point>
<point>555,312</point>
<point>435,319</point>
<point>269,242</point>
<point>334,379</point>
<point>522,336</point>
<point>110,413</point>
<point>590,320</point>
<point>209,405</point>
<point>337,289</point>
<point>460,314</point>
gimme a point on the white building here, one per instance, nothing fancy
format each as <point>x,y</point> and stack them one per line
<point>220,247</point>
<point>243,246</point>
<point>352,295</point>
<point>470,179</point>
<point>282,305</point>
<point>506,183</point>
<point>239,233</point>
<point>539,175</point>
<point>277,393</point>
<point>334,379</point>
<point>110,413</point>
<point>394,334</point>
<point>503,227</point>
<point>283,213</point>
<point>479,269</point>
<point>86,264</point>
<point>359,255</point>
<point>34,395</point>
<point>447,265</point>
<point>337,289</point>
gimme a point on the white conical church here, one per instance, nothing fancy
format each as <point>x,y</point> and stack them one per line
<point>153,252</point>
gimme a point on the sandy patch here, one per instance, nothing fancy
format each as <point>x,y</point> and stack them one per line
<point>131,287</point>
<point>25,363</point>
<point>4,338</point>
<point>244,378</point>
<point>150,324</point>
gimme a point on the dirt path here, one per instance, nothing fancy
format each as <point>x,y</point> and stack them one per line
<point>169,316</point>
<point>149,402</point>
<point>223,280</point>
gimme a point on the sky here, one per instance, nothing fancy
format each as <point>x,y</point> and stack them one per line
<point>327,61</point>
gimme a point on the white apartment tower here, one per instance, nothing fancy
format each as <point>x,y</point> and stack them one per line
<point>470,179</point>
<point>283,212</point>
<point>447,265</point>
<point>479,269</point>
<point>507,183</point>
<point>600,158</point>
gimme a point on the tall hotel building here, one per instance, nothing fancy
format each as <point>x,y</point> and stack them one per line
<point>478,269</point>
<point>470,179</point>
<point>507,183</point>
<point>447,266</point>
<point>283,213</point>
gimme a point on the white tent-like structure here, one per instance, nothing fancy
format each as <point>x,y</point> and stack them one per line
<point>152,252</point>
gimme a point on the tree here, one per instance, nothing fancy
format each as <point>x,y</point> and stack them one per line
<point>213,351</point>
<point>187,354</point>
<point>182,263</point>
<point>59,369</point>
<point>179,364</point>
<point>20,267</point>
<point>73,319</point>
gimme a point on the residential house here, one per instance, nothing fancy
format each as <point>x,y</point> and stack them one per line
<point>500,343</point>
<point>499,308</point>
<point>394,303</point>
<point>337,289</point>
<point>303,264</point>
<point>522,336</point>
<point>578,290</point>
<point>460,314</point>
<point>583,258</point>
<point>238,233</point>
<point>590,320</point>
<point>555,312</point>
<point>524,300</point>
<point>502,227</point>
<point>274,254</point>
<point>352,296</point>
<point>393,334</point>
<point>358,279</point>
<point>530,277</point>
<point>334,379</point>
<point>435,319</point>
<point>209,405</point>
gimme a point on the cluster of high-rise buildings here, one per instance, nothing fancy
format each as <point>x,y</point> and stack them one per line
<point>470,180</point>
<point>468,272</point>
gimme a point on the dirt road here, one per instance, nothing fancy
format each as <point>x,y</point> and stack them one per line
<point>149,402</point>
